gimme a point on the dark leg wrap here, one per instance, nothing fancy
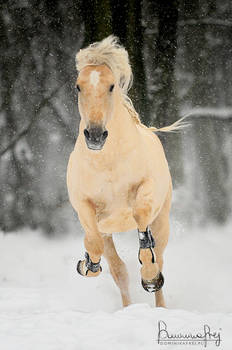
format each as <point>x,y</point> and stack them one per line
<point>146,241</point>
<point>90,266</point>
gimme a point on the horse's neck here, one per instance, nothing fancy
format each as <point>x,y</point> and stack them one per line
<point>121,126</point>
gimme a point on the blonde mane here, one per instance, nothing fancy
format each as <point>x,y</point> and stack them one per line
<point>110,52</point>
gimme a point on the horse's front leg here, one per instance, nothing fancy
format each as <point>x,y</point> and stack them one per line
<point>93,241</point>
<point>143,212</point>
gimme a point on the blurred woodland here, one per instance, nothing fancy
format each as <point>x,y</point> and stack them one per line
<point>180,53</point>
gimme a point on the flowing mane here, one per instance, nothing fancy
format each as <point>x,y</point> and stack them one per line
<point>110,52</point>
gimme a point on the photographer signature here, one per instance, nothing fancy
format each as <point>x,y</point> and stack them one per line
<point>204,337</point>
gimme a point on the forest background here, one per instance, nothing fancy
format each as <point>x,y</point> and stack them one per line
<point>180,53</point>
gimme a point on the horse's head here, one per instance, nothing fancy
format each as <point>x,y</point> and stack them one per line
<point>104,75</point>
<point>96,89</point>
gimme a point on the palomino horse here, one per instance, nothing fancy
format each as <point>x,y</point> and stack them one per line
<point>118,177</point>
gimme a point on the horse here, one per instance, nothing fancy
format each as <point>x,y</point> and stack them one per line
<point>118,177</point>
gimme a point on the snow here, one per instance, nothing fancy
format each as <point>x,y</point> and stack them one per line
<point>205,20</point>
<point>222,113</point>
<point>46,305</point>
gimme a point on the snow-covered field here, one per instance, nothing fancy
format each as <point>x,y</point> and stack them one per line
<point>45,304</point>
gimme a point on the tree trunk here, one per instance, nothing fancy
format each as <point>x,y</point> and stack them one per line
<point>211,135</point>
<point>97,18</point>
<point>127,25</point>
<point>123,19</point>
<point>165,98</point>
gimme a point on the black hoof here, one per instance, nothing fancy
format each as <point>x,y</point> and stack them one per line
<point>79,268</point>
<point>87,270</point>
<point>155,284</point>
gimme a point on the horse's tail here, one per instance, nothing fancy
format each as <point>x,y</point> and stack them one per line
<point>178,125</point>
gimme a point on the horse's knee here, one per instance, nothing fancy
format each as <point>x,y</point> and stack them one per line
<point>142,214</point>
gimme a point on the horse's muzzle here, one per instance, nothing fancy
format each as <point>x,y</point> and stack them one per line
<point>95,137</point>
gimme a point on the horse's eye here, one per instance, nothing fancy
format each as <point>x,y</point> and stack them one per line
<point>78,88</point>
<point>111,87</point>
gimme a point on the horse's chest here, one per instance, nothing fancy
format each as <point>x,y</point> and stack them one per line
<point>113,196</point>
<point>113,185</point>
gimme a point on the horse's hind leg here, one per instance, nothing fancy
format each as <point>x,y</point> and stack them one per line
<point>117,269</point>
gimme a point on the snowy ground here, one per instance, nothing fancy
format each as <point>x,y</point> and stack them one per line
<point>45,305</point>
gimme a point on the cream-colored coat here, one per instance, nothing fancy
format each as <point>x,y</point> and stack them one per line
<point>132,158</point>
<point>125,185</point>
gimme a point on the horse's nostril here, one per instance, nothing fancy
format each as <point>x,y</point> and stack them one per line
<point>95,135</point>
<point>105,134</point>
<point>86,133</point>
